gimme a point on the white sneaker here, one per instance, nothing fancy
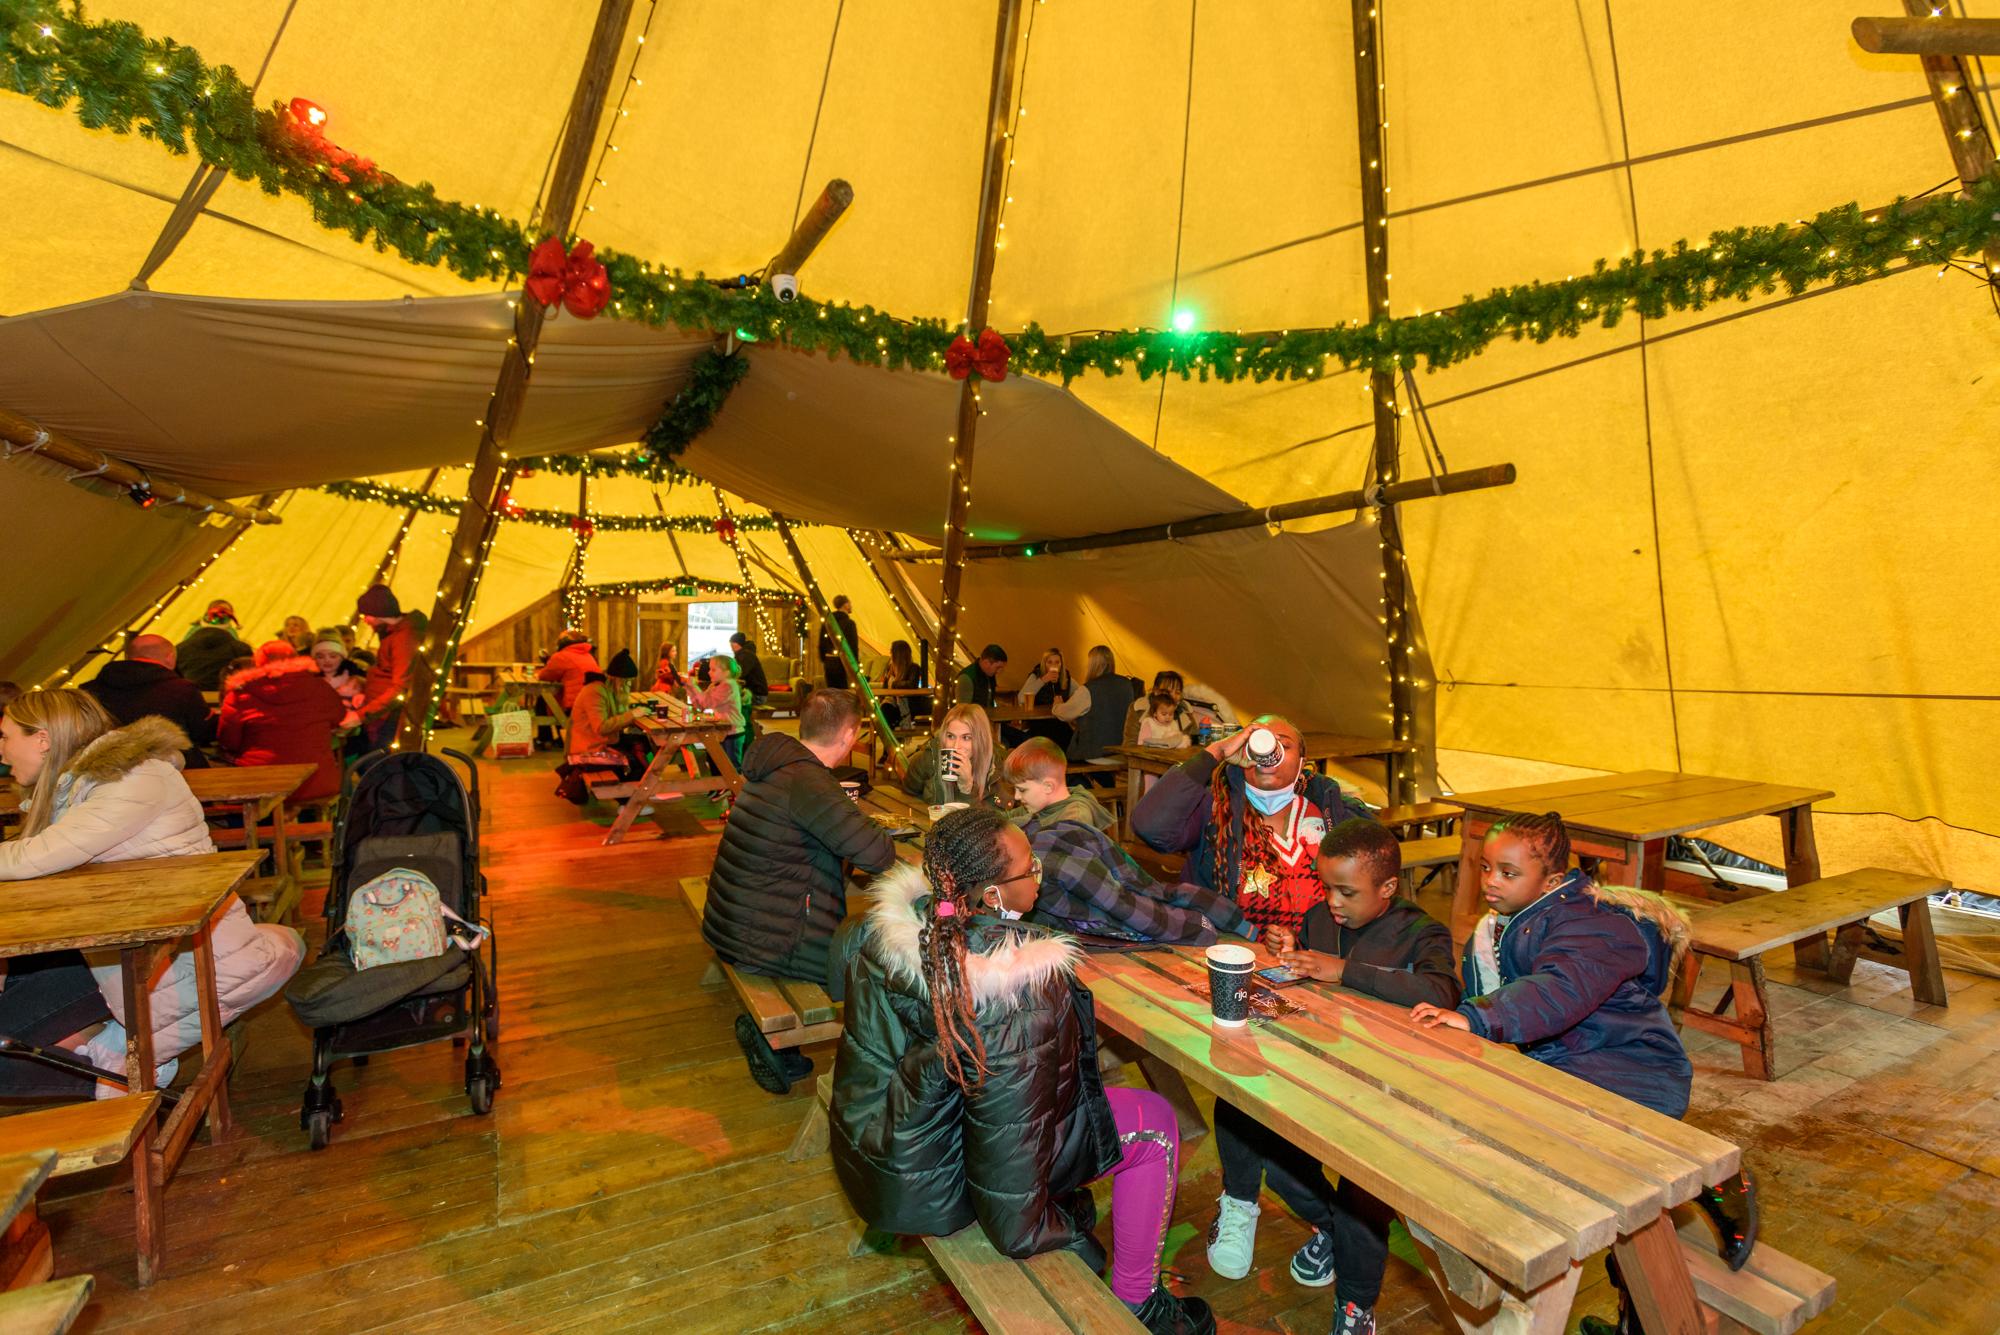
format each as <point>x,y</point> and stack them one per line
<point>1232,1237</point>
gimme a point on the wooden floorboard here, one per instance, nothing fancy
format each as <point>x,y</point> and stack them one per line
<point>631,1177</point>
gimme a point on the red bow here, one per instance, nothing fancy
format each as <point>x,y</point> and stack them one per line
<point>988,357</point>
<point>576,279</point>
<point>582,527</point>
<point>725,529</point>
<point>507,505</point>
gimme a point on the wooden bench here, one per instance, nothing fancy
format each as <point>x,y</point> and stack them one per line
<point>1773,1294</point>
<point>788,1012</point>
<point>1420,817</point>
<point>1801,917</point>
<point>28,1306</point>
<point>1050,1294</point>
<point>81,1136</point>
<point>1429,856</point>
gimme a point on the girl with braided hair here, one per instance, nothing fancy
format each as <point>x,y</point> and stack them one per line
<point>966,1086</point>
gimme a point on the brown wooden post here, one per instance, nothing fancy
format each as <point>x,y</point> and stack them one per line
<point>896,602</point>
<point>1396,597</point>
<point>1928,32</point>
<point>958,498</point>
<point>885,733</point>
<point>1958,110</point>
<point>478,519</point>
<point>386,571</point>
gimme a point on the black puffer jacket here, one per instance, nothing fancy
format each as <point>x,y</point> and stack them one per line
<point>913,1152</point>
<point>777,877</point>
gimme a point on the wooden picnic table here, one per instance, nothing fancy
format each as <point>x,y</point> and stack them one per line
<point>1627,818</point>
<point>257,793</point>
<point>1511,1172</point>
<point>143,910</point>
<point>668,740</point>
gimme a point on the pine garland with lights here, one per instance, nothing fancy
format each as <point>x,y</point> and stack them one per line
<point>690,412</point>
<point>118,79</point>
<point>608,463</point>
<point>686,586</point>
<point>430,503</point>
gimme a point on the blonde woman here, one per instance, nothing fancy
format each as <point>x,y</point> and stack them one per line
<point>957,763</point>
<point>101,794</point>
<point>1097,708</point>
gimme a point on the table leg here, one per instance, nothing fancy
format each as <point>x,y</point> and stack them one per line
<point>725,768</point>
<point>1920,953</point>
<point>1656,1275</point>
<point>249,810</point>
<point>1847,942</point>
<point>1802,868</point>
<point>137,976</point>
<point>213,1040</point>
<point>1135,782</point>
<point>1753,1014</point>
<point>642,793</point>
<point>1465,897</point>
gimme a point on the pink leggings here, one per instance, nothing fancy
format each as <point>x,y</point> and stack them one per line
<point>1142,1189</point>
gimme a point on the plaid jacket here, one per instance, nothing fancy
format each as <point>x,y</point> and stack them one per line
<point>1091,885</point>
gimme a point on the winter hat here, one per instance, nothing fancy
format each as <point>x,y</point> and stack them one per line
<point>334,645</point>
<point>270,651</point>
<point>219,613</point>
<point>621,665</point>
<point>573,635</point>
<point>379,601</point>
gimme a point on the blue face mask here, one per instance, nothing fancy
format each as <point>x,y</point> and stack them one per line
<point>1268,801</point>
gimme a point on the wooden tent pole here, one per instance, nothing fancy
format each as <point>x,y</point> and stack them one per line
<point>890,754</point>
<point>1965,130</point>
<point>478,518</point>
<point>895,602</point>
<point>387,569</point>
<point>812,229</point>
<point>1396,596</point>
<point>22,436</point>
<point>1926,33</point>
<point>958,498</point>
<point>1444,484</point>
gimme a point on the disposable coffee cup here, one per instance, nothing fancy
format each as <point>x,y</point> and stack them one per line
<point>1229,983</point>
<point>851,788</point>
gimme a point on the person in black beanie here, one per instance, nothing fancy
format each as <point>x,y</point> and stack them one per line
<point>749,669</point>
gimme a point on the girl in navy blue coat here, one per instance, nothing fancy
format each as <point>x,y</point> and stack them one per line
<point>1572,972</point>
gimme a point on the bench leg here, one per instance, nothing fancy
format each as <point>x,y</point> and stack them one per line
<point>1656,1275</point>
<point>1753,1012</point>
<point>712,978</point>
<point>1920,951</point>
<point>1802,868</point>
<point>814,1135</point>
<point>1847,942</point>
<point>25,1254</point>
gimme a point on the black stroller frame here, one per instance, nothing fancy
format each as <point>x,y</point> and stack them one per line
<point>465,1011</point>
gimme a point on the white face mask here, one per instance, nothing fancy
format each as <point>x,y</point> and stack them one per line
<point>1269,801</point>
<point>1005,914</point>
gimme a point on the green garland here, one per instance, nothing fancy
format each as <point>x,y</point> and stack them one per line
<point>431,503</point>
<point>690,412</point>
<point>119,79</point>
<point>686,585</point>
<point>608,463</point>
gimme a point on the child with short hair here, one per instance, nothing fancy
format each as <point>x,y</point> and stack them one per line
<point>724,698</point>
<point>1363,936</point>
<point>1089,884</point>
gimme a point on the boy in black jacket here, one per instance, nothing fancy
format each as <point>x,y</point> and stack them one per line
<point>1365,937</point>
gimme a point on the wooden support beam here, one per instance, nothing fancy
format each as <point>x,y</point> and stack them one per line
<point>1925,35</point>
<point>22,436</point>
<point>889,591</point>
<point>386,570</point>
<point>478,519</point>
<point>812,229</point>
<point>1965,130</point>
<point>1397,620</point>
<point>958,497</point>
<point>880,721</point>
<point>1444,484</point>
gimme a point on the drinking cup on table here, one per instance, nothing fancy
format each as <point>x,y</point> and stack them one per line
<point>852,788</point>
<point>1229,983</point>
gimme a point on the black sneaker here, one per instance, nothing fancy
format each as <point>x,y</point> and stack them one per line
<point>765,1068</point>
<point>1164,1314</point>
<point>1732,1208</point>
<point>795,1064</point>
<point>1354,1319</point>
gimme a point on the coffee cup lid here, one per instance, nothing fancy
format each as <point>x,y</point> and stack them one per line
<point>1231,956</point>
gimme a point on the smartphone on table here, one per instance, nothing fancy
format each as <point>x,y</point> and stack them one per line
<point>1279,976</point>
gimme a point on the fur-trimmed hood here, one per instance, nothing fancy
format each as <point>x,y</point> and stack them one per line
<point>122,750</point>
<point>1019,960</point>
<point>299,666</point>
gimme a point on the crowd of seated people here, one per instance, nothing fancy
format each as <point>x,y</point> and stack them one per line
<point>1020,866</point>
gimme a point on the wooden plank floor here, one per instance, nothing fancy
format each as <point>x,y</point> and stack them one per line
<point>632,1178</point>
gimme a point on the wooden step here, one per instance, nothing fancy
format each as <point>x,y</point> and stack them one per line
<point>1773,1294</point>
<point>45,1309</point>
<point>82,1135</point>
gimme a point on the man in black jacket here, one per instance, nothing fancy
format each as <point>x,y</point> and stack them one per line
<point>210,646</point>
<point>1366,937</point>
<point>830,659</point>
<point>777,895</point>
<point>144,682</point>
<point>749,668</point>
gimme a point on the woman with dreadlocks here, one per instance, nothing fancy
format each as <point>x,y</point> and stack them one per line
<point>1254,826</point>
<point>1574,974</point>
<point>966,1086</point>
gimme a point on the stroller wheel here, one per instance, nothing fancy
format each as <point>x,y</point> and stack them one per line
<point>319,1126</point>
<point>482,1081</point>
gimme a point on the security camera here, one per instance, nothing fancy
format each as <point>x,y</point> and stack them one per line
<point>785,286</point>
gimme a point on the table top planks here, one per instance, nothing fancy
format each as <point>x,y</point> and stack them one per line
<point>116,904</point>
<point>1515,1164</point>
<point>227,784</point>
<point>1645,805</point>
<point>1749,927</point>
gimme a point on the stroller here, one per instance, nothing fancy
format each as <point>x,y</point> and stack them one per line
<point>401,810</point>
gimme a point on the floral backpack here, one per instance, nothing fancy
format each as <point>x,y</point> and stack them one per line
<point>398,917</point>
